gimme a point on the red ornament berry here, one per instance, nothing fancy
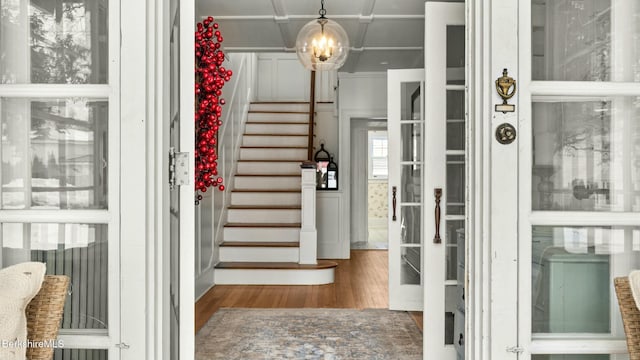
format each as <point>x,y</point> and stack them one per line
<point>221,187</point>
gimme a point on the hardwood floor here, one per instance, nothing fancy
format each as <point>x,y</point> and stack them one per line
<point>360,283</point>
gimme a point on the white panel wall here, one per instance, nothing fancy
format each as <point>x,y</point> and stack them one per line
<point>281,77</point>
<point>211,217</point>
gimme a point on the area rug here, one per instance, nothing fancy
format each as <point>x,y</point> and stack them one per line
<point>327,334</point>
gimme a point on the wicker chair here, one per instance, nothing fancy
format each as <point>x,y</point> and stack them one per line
<point>44,314</point>
<point>630,316</point>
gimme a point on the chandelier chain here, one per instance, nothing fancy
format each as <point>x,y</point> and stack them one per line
<point>322,10</point>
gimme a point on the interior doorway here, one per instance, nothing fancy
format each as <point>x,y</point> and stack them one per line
<point>369,200</point>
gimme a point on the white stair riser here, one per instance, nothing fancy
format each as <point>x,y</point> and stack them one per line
<point>261,234</point>
<point>267,183</point>
<point>275,140</point>
<point>255,167</point>
<point>272,154</point>
<point>265,198</point>
<point>259,254</point>
<point>273,277</point>
<point>256,128</point>
<point>279,107</point>
<point>267,216</point>
<point>277,117</point>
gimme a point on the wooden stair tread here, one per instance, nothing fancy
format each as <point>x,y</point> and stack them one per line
<point>322,264</point>
<point>265,207</point>
<point>270,175</point>
<point>264,225</point>
<point>276,134</point>
<point>276,112</point>
<point>266,190</point>
<point>277,123</point>
<point>279,102</point>
<point>279,244</point>
<point>271,160</point>
<point>273,147</point>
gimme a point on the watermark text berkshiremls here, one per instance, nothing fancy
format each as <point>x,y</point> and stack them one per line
<point>54,343</point>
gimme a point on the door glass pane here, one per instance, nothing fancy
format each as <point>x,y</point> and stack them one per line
<point>57,42</point>
<point>585,40</point>
<point>572,276</point>
<point>410,224</point>
<point>455,184</point>
<point>455,134</point>
<point>411,141</point>
<point>410,265</point>
<point>450,307</point>
<point>455,55</point>
<point>54,153</point>
<point>80,354</point>
<point>454,232</point>
<point>77,250</point>
<point>411,106</point>
<point>586,155</point>
<point>455,105</point>
<point>411,185</point>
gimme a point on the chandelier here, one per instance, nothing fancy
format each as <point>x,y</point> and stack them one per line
<point>322,44</point>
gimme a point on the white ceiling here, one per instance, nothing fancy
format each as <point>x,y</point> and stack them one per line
<point>384,34</point>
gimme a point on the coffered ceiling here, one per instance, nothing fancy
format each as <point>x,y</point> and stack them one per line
<point>384,34</point>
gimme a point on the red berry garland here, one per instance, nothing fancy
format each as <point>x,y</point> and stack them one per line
<point>210,78</point>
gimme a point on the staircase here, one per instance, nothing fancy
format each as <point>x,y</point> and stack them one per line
<point>262,234</point>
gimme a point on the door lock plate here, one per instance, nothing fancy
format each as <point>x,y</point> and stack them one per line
<point>505,133</point>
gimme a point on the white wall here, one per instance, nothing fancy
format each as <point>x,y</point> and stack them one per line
<point>210,214</point>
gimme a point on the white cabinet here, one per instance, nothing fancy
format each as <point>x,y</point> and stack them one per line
<point>330,223</point>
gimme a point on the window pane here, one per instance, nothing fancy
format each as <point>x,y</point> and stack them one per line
<point>572,275</point>
<point>410,266</point>
<point>79,251</point>
<point>455,54</point>
<point>411,141</point>
<point>80,354</point>
<point>54,153</point>
<point>411,103</point>
<point>586,155</point>
<point>574,40</point>
<point>67,40</point>
<point>411,184</point>
<point>455,185</point>
<point>454,230</point>
<point>410,225</point>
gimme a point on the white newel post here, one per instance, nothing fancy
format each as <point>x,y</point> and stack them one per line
<point>308,232</point>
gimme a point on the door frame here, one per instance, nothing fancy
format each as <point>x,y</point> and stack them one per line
<point>359,220</point>
<point>481,342</point>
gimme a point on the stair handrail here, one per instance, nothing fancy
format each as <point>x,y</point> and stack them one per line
<point>312,111</point>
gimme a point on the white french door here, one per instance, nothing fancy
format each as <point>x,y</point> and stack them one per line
<point>565,195</point>
<point>60,192</point>
<point>405,122</point>
<point>444,181</point>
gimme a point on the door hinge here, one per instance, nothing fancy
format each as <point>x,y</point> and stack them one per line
<point>515,349</point>
<point>123,346</point>
<point>178,168</point>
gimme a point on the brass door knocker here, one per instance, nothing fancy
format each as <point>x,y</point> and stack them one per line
<point>503,85</point>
